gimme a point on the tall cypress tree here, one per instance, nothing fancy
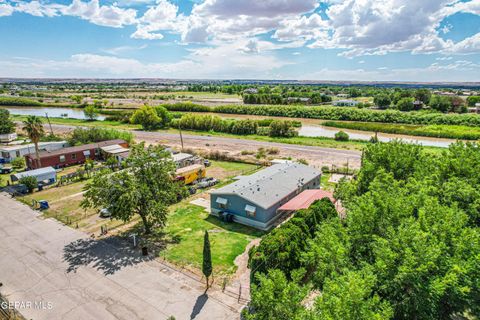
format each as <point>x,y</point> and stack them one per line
<point>207,257</point>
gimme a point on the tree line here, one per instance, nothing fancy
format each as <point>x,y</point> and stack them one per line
<point>334,113</point>
<point>408,248</point>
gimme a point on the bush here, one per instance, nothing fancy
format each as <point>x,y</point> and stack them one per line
<point>281,128</point>
<point>91,135</point>
<point>341,136</point>
<point>282,247</point>
<point>18,163</point>
<point>151,118</point>
<point>29,182</point>
<point>16,101</point>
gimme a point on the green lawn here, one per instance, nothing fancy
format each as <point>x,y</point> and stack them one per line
<point>187,224</point>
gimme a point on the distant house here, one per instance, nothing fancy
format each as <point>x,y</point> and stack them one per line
<point>72,155</point>
<point>343,95</point>
<point>298,100</point>
<point>250,91</point>
<point>253,200</point>
<point>417,104</point>
<point>345,103</point>
<point>8,153</point>
<point>475,109</point>
<point>46,175</point>
<point>8,137</point>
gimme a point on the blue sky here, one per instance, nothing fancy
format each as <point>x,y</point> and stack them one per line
<point>392,40</point>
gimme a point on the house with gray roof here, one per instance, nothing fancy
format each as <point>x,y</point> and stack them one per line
<point>253,200</point>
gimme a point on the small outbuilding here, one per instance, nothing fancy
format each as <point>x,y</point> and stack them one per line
<point>46,175</point>
<point>253,200</point>
<point>345,103</point>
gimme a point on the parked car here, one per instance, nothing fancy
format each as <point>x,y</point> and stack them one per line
<point>104,213</point>
<point>4,170</point>
<point>207,163</point>
<point>207,182</point>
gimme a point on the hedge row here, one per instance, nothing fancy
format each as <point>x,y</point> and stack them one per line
<point>336,113</point>
<point>282,247</point>
<point>16,101</point>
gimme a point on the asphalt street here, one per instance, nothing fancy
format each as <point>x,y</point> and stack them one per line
<point>54,272</point>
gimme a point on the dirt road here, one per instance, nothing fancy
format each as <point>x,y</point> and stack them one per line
<point>316,156</point>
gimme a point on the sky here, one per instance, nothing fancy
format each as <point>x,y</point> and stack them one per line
<point>370,40</point>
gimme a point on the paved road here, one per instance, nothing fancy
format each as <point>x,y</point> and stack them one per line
<point>314,155</point>
<point>74,277</point>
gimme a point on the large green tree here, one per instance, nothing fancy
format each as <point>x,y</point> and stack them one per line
<point>6,124</point>
<point>146,188</point>
<point>33,126</point>
<point>151,118</point>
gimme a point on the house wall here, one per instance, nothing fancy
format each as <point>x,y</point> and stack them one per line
<point>8,155</point>
<point>71,158</point>
<point>264,217</point>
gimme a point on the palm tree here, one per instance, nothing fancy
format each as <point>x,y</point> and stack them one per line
<point>33,126</point>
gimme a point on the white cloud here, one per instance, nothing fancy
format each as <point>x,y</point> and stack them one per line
<point>5,9</point>
<point>122,49</point>
<point>110,16</point>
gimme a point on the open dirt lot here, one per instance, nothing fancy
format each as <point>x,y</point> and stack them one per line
<point>316,156</point>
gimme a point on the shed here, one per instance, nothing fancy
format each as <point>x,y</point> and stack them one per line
<point>183,159</point>
<point>43,174</point>
<point>253,200</point>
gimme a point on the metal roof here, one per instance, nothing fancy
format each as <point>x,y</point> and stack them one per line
<point>114,149</point>
<point>270,185</point>
<point>305,199</point>
<point>34,173</point>
<point>30,145</point>
<point>80,148</point>
<point>181,156</point>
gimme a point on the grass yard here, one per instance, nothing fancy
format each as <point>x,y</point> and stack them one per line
<point>187,224</point>
<point>64,204</point>
<point>226,170</point>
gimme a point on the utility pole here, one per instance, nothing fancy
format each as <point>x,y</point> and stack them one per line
<point>181,137</point>
<point>48,119</point>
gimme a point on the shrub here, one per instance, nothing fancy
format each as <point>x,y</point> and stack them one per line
<point>96,134</point>
<point>29,182</point>
<point>281,128</point>
<point>18,163</point>
<point>341,136</point>
<point>16,101</point>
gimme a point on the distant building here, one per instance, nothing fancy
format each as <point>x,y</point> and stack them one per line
<point>183,159</point>
<point>298,99</point>
<point>345,103</point>
<point>8,137</point>
<point>417,104</point>
<point>45,176</point>
<point>253,200</point>
<point>250,91</point>
<point>72,155</point>
<point>343,95</point>
<point>8,153</point>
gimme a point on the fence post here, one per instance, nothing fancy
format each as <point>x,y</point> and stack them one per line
<point>239,292</point>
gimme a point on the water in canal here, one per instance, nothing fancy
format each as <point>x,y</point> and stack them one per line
<point>52,112</point>
<point>309,127</point>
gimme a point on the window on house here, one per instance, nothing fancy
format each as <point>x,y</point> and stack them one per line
<point>62,158</point>
<point>250,210</point>
<point>74,156</point>
<point>222,202</point>
<point>86,153</point>
<point>18,153</point>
